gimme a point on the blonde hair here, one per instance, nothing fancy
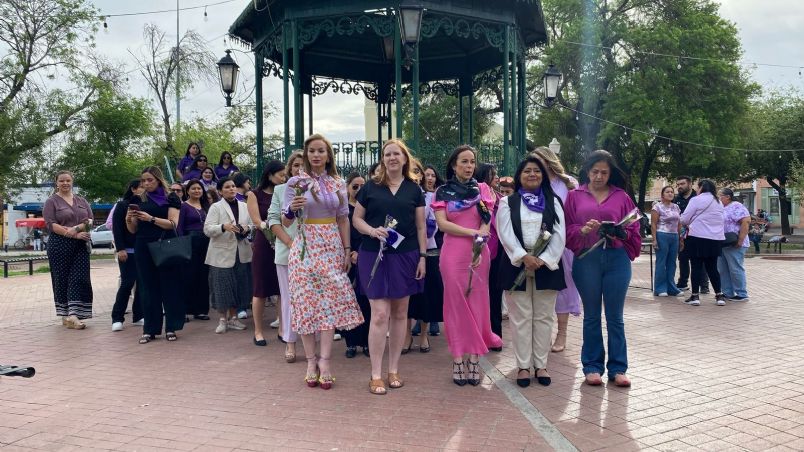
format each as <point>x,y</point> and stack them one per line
<point>381,176</point>
<point>552,162</point>
<point>330,167</point>
<point>296,154</point>
<point>157,174</point>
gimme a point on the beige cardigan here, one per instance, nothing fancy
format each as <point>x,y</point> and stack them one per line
<point>223,246</point>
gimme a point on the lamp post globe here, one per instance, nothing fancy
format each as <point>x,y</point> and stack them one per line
<point>552,79</point>
<point>228,70</point>
<point>410,23</point>
<point>555,146</point>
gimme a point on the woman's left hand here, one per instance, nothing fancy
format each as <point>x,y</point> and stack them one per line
<point>83,236</point>
<point>347,261</point>
<point>421,269</point>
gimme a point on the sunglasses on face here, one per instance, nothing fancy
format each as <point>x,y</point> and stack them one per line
<point>202,160</point>
<point>356,187</point>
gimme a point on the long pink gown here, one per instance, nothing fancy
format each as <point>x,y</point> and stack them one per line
<point>466,319</point>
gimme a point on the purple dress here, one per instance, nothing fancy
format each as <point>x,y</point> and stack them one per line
<point>568,300</point>
<point>263,269</point>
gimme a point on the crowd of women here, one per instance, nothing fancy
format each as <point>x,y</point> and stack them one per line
<point>365,256</point>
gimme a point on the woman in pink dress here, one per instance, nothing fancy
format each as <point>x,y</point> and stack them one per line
<point>463,212</point>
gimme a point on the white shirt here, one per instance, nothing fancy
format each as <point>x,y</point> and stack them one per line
<point>531,227</point>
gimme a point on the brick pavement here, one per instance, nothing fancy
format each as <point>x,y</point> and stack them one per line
<point>707,378</point>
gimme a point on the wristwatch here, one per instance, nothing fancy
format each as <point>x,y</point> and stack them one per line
<point>153,220</point>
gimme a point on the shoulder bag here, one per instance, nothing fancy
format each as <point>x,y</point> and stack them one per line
<point>171,251</point>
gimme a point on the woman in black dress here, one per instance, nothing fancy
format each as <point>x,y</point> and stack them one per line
<point>151,216</point>
<point>124,245</point>
<point>263,270</point>
<point>358,337</point>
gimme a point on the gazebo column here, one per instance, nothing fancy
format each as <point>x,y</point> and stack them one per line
<point>506,73</point>
<point>310,110</point>
<point>472,117</point>
<point>258,65</point>
<point>523,105</point>
<point>460,117</point>
<point>416,99</point>
<point>464,91</point>
<point>297,94</point>
<point>286,89</point>
<point>398,77</point>
<point>515,103</point>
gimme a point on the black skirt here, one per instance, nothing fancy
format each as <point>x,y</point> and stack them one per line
<point>702,248</point>
<point>428,306</point>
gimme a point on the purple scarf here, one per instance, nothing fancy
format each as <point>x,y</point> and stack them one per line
<point>534,200</point>
<point>159,197</point>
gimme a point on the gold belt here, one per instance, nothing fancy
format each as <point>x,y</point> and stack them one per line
<point>327,220</point>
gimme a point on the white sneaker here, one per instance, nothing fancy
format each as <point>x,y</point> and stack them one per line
<point>242,315</point>
<point>721,302</point>
<point>139,322</point>
<point>663,294</point>
<point>221,328</point>
<point>236,324</point>
<point>117,326</point>
<point>337,337</point>
<point>275,324</point>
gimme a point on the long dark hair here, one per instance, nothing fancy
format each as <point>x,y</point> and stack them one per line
<point>133,185</point>
<point>616,175</point>
<point>204,201</point>
<point>194,165</point>
<point>547,189</point>
<point>225,153</point>
<point>453,158</point>
<point>192,143</point>
<point>707,186</point>
<point>271,168</point>
<point>239,180</point>
<point>439,181</point>
<point>483,172</point>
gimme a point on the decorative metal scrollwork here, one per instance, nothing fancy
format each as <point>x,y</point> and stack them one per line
<point>310,30</point>
<point>343,87</point>
<point>462,28</point>
<point>487,79</point>
<point>271,68</point>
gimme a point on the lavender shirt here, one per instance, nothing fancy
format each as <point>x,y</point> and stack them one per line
<point>329,204</point>
<point>668,217</point>
<point>581,206</point>
<point>733,215</point>
<point>704,217</point>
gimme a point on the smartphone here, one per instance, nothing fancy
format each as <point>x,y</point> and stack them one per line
<point>134,207</point>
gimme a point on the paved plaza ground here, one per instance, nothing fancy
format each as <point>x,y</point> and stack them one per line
<point>706,378</point>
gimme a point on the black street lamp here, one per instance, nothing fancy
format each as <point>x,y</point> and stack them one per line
<point>410,28</point>
<point>552,79</point>
<point>228,70</point>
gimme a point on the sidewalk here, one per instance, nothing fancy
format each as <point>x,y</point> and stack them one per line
<point>706,378</point>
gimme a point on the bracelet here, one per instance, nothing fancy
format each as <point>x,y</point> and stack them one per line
<point>424,255</point>
<point>347,248</point>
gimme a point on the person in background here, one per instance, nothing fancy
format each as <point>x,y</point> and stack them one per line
<point>665,228</point>
<point>209,179</point>
<point>506,186</point>
<point>463,212</point>
<point>703,221</point>
<point>37,239</point>
<point>486,173</point>
<point>684,193</point>
<point>124,246</point>
<point>212,195</point>
<point>242,186</point>
<point>263,268</point>
<point>730,263</point>
<point>192,214</point>
<point>521,218</point>
<point>321,296</point>
<point>756,231</point>
<point>189,157</point>
<point>153,216</point>
<point>177,189</point>
<point>605,272</point>
<point>194,171</point>
<point>284,240</point>
<point>229,256</point>
<point>225,167</point>
<point>568,301</point>
<point>67,216</point>
<point>359,336</point>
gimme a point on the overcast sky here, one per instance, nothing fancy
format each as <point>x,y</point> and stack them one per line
<point>771,32</point>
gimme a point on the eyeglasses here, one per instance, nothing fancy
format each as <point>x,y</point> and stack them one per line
<point>202,160</point>
<point>356,187</point>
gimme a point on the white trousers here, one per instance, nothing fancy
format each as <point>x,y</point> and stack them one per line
<point>531,314</point>
<point>288,335</point>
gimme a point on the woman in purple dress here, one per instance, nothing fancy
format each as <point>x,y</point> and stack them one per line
<point>568,300</point>
<point>192,214</point>
<point>225,167</point>
<point>195,170</point>
<point>263,270</point>
<point>189,157</point>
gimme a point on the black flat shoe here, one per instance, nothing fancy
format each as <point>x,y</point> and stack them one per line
<point>279,338</point>
<point>260,343</point>
<point>523,382</point>
<point>351,352</point>
<point>366,352</point>
<point>495,349</point>
<point>201,317</point>
<point>457,369</point>
<point>544,381</point>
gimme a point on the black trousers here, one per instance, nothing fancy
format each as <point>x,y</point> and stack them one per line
<point>701,266</point>
<point>358,336</point>
<point>495,294</point>
<point>128,277</point>
<point>684,271</point>
<point>196,277</point>
<point>160,291</point>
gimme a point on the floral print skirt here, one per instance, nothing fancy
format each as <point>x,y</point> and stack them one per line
<point>321,296</point>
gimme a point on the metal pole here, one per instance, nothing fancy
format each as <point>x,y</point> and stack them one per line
<point>286,89</point>
<point>379,125</point>
<point>506,72</point>
<point>416,99</point>
<point>297,95</point>
<point>471,116</point>
<point>389,110</point>
<point>523,104</point>
<point>514,100</point>
<point>398,75</point>
<point>178,76</point>
<point>460,118</point>
<point>310,111</point>
<point>258,63</point>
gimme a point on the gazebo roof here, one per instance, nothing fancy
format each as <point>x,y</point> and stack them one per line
<point>344,38</point>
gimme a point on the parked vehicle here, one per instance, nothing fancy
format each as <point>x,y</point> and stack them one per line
<point>101,236</point>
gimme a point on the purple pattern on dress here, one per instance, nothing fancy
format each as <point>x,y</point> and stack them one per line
<point>732,215</point>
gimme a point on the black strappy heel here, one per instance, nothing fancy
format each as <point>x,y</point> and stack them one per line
<point>457,368</point>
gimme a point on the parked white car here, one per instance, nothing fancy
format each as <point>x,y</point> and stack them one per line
<point>101,236</point>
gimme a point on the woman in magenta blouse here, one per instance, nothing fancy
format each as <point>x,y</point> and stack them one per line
<point>603,273</point>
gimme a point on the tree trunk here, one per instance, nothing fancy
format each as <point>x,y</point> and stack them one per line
<point>644,174</point>
<point>784,202</point>
<point>168,129</point>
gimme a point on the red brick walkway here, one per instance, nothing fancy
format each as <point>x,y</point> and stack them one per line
<point>707,378</point>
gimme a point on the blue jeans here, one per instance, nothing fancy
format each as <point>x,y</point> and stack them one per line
<point>666,256</point>
<point>732,272</point>
<point>602,279</point>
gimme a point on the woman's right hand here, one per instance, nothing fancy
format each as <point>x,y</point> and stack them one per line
<point>353,256</point>
<point>379,233</point>
<point>122,256</point>
<point>591,225</point>
<point>83,236</point>
<point>298,203</point>
<point>655,244</point>
<point>231,227</point>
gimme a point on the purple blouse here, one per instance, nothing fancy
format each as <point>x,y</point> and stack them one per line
<point>332,201</point>
<point>581,206</point>
<point>223,173</point>
<point>704,217</point>
<point>190,219</point>
<point>733,215</point>
<point>193,174</point>
<point>56,210</point>
<point>668,217</point>
<point>185,163</point>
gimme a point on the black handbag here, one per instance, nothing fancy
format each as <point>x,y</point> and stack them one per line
<point>731,239</point>
<point>171,251</point>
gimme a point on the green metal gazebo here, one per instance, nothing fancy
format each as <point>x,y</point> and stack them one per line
<point>383,49</point>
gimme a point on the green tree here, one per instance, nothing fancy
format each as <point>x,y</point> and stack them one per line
<point>609,53</point>
<point>775,123</point>
<point>111,147</point>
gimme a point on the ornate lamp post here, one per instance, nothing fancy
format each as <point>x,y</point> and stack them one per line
<point>410,28</point>
<point>555,146</point>
<point>552,79</point>
<point>228,70</point>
